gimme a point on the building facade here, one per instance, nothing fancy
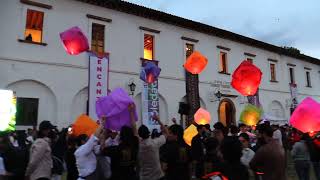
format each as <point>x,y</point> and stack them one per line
<point>53,85</point>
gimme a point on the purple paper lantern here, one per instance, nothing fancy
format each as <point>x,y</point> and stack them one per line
<point>74,41</point>
<point>150,72</point>
<point>115,108</point>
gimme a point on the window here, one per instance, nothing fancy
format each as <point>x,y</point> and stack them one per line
<point>308,79</point>
<point>250,60</point>
<point>27,111</point>
<point>273,72</point>
<point>223,63</point>
<point>34,26</point>
<point>291,73</point>
<point>189,49</point>
<point>97,38</point>
<point>148,47</point>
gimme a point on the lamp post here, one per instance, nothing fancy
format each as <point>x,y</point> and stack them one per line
<point>218,95</point>
<point>132,87</point>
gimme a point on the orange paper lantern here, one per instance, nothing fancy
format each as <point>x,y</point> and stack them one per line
<point>246,78</point>
<point>189,133</point>
<point>196,63</point>
<point>84,125</point>
<point>202,117</point>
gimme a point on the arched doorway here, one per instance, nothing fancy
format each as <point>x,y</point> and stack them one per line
<point>226,112</point>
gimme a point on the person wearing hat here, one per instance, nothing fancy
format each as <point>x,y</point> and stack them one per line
<point>40,163</point>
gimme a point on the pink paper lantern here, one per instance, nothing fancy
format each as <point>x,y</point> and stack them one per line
<point>306,116</point>
<point>74,41</point>
<point>202,117</point>
<point>246,78</point>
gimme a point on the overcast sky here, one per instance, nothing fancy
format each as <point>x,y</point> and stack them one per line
<point>281,22</point>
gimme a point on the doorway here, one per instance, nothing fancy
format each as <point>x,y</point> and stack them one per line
<point>226,112</point>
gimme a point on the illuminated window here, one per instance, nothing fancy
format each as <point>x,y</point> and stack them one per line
<point>34,26</point>
<point>97,38</point>
<point>148,47</point>
<point>27,111</point>
<point>308,79</point>
<point>273,72</point>
<point>223,68</point>
<point>189,49</point>
<point>250,60</point>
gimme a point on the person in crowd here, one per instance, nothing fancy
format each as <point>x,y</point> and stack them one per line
<point>177,155</point>
<point>244,129</point>
<point>40,163</point>
<point>149,160</point>
<point>113,139</point>
<point>59,147</point>
<point>301,158</point>
<point>219,131</point>
<point>314,149</point>
<point>155,134</point>
<point>231,168</point>
<point>294,137</point>
<point>269,159</point>
<point>233,130</point>
<point>277,135</point>
<point>70,159</point>
<point>198,151</point>
<point>13,139</point>
<point>86,154</point>
<point>247,153</point>
<point>30,138</point>
<point>124,156</point>
<point>213,158</point>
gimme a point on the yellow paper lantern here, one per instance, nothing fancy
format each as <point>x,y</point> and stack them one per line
<point>202,117</point>
<point>189,133</point>
<point>250,115</point>
<point>84,125</point>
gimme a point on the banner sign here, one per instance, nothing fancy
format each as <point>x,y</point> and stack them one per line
<point>150,102</point>
<point>98,80</point>
<point>294,95</point>
<point>254,100</point>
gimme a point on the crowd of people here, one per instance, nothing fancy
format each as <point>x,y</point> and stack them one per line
<point>217,153</point>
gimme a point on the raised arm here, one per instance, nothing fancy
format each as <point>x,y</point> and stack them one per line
<point>164,129</point>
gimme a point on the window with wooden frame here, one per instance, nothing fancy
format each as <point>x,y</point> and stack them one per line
<point>148,47</point>
<point>250,60</point>
<point>34,26</point>
<point>291,75</point>
<point>189,49</point>
<point>273,72</point>
<point>308,79</point>
<point>97,38</point>
<point>223,67</point>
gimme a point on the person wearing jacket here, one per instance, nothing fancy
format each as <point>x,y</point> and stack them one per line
<point>40,163</point>
<point>301,157</point>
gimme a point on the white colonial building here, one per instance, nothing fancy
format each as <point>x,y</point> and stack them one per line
<point>52,85</point>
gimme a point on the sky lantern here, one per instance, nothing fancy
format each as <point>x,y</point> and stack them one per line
<point>306,117</point>
<point>84,125</point>
<point>150,72</point>
<point>74,41</point>
<point>189,133</point>
<point>251,115</point>
<point>7,110</point>
<point>246,78</point>
<point>202,117</point>
<point>115,108</point>
<point>196,63</point>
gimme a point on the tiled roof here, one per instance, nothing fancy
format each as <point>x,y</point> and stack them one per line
<point>148,13</point>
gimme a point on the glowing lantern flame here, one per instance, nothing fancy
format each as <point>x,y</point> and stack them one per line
<point>196,63</point>
<point>306,116</point>
<point>74,41</point>
<point>246,78</point>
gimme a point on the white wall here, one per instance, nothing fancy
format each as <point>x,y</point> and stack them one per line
<point>66,76</point>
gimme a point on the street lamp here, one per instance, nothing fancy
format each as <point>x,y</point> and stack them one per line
<point>218,95</point>
<point>132,87</point>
